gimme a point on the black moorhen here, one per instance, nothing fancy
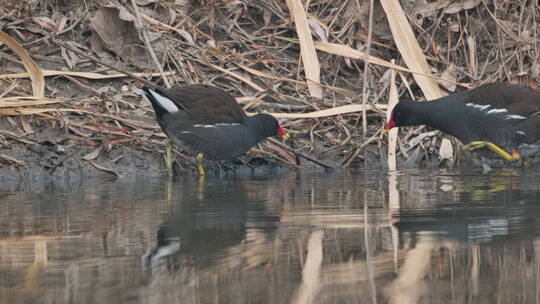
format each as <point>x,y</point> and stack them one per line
<point>208,122</point>
<point>497,116</point>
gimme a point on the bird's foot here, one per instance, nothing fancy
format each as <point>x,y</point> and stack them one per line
<point>200,167</point>
<point>169,156</point>
<point>475,145</point>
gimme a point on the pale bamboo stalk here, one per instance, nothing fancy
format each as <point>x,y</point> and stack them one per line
<point>33,70</point>
<point>311,273</point>
<point>366,70</point>
<point>310,61</point>
<point>392,134</point>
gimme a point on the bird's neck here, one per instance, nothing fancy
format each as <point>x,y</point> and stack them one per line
<point>428,113</point>
<point>443,114</point>
<point>255,134</point>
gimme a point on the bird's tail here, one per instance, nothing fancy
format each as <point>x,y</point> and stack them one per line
<point>161,103</point>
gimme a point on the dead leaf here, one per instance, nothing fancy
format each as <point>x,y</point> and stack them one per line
<point>33,70</point>
<point>69,62</point>
<point>62,23</point>
<point>418,139</point>
<point>115,29</point>
<point>459,6</point>
<point>187,36</point>
<point>454,27</point>
<point>26,126</point>
<point>103,168</point>
<point>422,9</point>
<point>12,159</point>
<point>46,23</point>
<point>291,159</point>
<point>312,69</point>
<point>472,64</point>
<point>92,155</point>
<point>450,78</point>
<point>318,30</point>
<point>446,151</point>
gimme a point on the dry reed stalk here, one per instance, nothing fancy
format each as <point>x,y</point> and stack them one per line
<point>414,57</point>
<point>309,55</point>
<point>392,134</point>
<point>33,70</point>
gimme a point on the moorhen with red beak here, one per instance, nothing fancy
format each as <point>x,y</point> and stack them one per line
<point>497,116</point>
<point>208,122</point>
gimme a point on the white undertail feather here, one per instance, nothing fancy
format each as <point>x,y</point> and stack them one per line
<point>163,101</point>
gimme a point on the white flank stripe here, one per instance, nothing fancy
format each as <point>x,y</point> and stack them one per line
<point>522,133</point>
<point>513,116</point>
<point>484,108</point>
<point>164,102</point>
<point>186,132</point>
<point>230,124</point>
<point>496,111</point>
<point>479,107</point>
<point>217,125</point>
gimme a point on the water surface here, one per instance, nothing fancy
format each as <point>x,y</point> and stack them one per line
<point>356,237</point>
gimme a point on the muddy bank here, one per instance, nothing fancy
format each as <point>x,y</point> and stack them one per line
<point>51,161</point>
<point>51,154</point>
<point>38,164</point>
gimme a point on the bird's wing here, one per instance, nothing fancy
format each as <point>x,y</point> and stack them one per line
<point>206,104</point>
<point>517,100</point>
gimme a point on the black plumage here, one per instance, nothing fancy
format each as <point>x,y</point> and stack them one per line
<point>502,113</point>
<point>206,120</point>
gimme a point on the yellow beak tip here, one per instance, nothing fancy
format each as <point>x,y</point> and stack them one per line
<point>285,136</point>
<point>385,131</point>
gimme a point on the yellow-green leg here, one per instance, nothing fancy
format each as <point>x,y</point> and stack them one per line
<point>200,166</point>
<point>475,145</point>
<point>199,189</point>
<point>169,161</point>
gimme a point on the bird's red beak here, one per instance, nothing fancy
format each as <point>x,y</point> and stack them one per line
<point>281,132</point>
<point>389,124</point>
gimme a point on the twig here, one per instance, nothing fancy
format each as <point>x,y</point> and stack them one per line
<point>366,69</point>
<point>12,159</point>
<point>357,151</point>
<point>272,155</point>
<point>82,54</point>
<point>301,154</point>
<point>148,46</point>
